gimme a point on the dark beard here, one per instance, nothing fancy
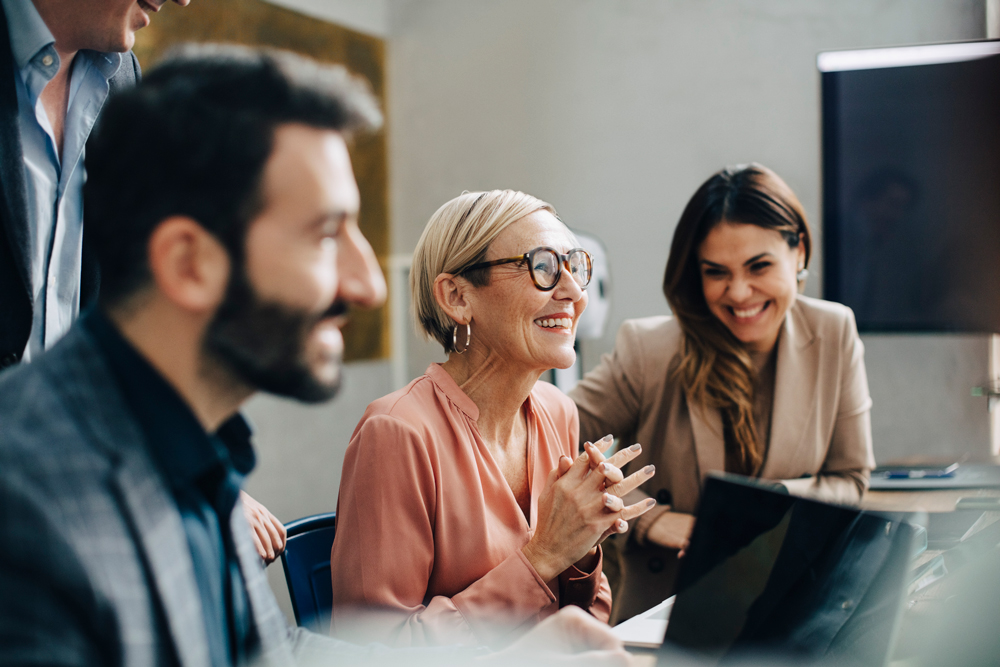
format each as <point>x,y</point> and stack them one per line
<point>263,343</point>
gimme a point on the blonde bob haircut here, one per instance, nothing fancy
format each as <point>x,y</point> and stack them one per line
<point>458,235</point>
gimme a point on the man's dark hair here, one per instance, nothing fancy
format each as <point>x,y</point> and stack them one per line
<point>193,139</point>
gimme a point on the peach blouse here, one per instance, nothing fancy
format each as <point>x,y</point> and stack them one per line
<point>429,534</point>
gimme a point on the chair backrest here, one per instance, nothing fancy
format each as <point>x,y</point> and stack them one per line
<point>306,561</point>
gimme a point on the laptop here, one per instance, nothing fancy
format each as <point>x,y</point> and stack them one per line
<point>768,573</point>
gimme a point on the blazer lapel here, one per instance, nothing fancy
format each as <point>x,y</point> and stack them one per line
<point>794,394</point>
<point>709,443</point>
<point>13,190</point>
<point>87,386</point>
<point>157,523</point>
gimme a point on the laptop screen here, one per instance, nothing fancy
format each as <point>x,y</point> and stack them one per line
<point>767,571</point>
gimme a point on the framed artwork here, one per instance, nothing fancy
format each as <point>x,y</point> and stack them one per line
<point>258,23</point>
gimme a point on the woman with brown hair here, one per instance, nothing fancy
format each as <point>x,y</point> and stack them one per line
<point>746,377</point>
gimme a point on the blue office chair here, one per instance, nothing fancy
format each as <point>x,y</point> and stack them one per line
<point>306,561</point>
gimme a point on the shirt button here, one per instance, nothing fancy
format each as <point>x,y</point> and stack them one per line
<point>664,497</point>
<point>47,60</point>
<point>847,604</point>
<point>656,565</point>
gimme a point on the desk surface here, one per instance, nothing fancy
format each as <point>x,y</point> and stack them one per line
<point>942,500</point>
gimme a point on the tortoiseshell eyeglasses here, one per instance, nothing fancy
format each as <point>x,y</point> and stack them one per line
<point>545,266</point>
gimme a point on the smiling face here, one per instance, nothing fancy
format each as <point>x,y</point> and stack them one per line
<point>306,261</point>
<point>528,328</point>
<point>748,275</point>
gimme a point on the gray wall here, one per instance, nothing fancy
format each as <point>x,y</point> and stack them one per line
<point>368,16</point>
<point>616,110</point>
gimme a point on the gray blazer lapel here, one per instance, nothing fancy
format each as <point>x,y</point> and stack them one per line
<point>794,394</point>
<point>268,621</point>
<point>157,522</point>
<point>89,389</point>
<point>709,443</point>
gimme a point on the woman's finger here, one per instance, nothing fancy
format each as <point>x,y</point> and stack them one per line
<point>596,449</point>
<point>632,481</point>
<point>579,469</point>
<point>612,474</point>
<point>613,503</point>
<point>623,456</point>
<point>619,526</point>
<point>271,524</point>
<point>264,540</point>
<point>638,509</point>
<point>257,545</point>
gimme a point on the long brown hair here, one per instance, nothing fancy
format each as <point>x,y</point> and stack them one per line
<point>715,367</point>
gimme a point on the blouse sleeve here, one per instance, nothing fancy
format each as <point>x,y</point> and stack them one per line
<point>383,554</point>
<point>849,459</point>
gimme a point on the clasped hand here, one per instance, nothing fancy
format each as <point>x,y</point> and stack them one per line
<point>581,506</point>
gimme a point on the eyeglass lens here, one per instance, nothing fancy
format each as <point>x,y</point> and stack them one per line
<point>545,267</point>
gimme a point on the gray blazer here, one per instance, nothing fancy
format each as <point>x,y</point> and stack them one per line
<point>95,567</point>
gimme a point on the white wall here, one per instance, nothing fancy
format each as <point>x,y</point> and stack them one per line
<point>616,110</point>
<point>368,16</point>
<point>922,388</point>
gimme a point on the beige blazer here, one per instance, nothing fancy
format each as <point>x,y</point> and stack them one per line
<point>820,441</point>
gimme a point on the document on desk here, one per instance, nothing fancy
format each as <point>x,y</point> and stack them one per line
<point>648,628</point>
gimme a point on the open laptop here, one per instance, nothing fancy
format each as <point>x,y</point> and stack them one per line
<point>767,572</point>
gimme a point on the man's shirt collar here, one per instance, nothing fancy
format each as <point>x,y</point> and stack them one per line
<point>31,41</point>
<point>177,440</point>
<point>28,33</point>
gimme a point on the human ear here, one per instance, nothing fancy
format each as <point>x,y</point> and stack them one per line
<point>450,292</point>
<point>188,265</point>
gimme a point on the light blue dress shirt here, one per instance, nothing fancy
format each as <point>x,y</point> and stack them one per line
<point>54,182</point>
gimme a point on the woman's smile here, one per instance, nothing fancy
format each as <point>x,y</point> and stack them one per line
<point>748,314</point>
<point>561,323</point>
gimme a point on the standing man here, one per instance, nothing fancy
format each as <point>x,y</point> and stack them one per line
<point>59,62</point>
<point>224,212</point>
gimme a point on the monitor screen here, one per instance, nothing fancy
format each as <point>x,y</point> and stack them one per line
<point>771,573</point>
<point>911,186</point>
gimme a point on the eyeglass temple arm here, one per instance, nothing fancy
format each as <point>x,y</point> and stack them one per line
<point>496,262</point>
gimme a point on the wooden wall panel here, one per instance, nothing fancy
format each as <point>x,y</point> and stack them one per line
<point>257,23</point>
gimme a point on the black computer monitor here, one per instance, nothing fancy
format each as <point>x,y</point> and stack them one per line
<point>911,186</point>
<point>789,577</point>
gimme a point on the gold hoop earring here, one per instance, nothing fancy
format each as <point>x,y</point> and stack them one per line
<point>468,338</point>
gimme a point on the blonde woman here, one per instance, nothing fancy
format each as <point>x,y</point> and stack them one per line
<point>466,511</point>
<point>746,376</point>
